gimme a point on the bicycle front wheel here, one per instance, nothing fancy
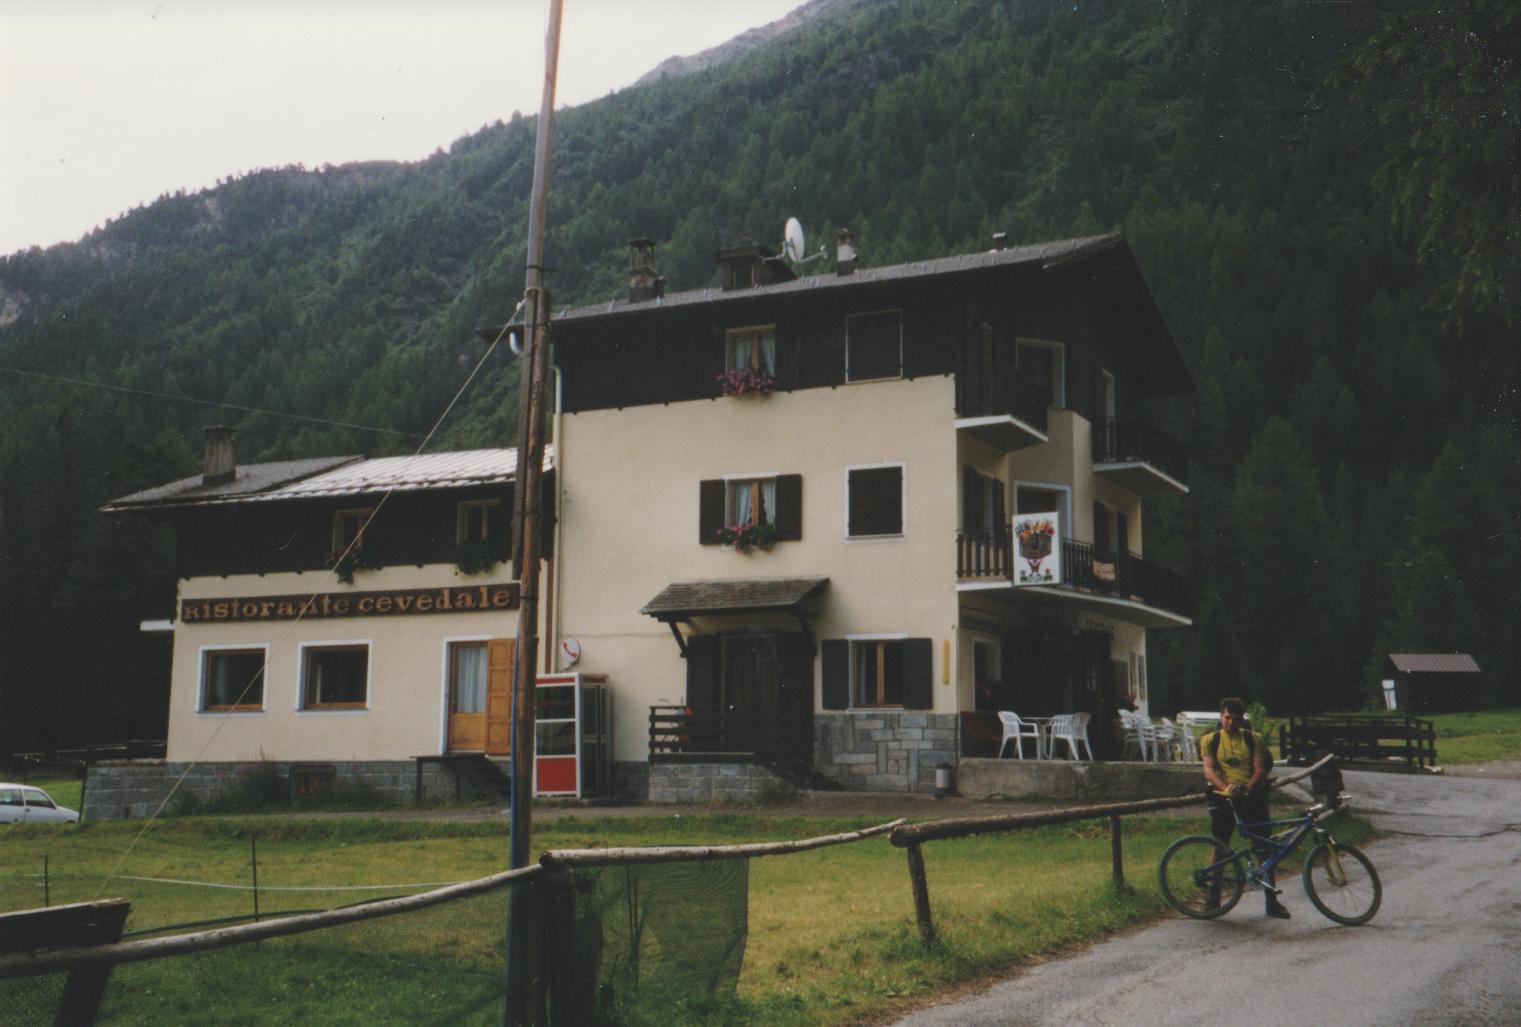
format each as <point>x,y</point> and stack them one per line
<point>1342,883</point>
<point>1195,883</point>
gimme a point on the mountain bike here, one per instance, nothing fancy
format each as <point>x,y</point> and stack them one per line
<point>1201,881</point>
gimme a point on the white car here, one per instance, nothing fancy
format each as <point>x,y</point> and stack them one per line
<point>25,804</point>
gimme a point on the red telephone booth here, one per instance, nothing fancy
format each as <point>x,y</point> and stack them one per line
<point>573,742</point>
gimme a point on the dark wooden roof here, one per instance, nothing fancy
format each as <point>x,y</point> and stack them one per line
<point>731,595</point>
<point>1433,663</point>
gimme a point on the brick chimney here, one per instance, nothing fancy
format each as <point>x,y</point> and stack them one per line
<point>643,282</point>
<point>220,464</point>
<point>844,252</point>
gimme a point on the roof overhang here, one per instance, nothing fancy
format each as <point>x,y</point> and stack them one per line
<point>683,600</point>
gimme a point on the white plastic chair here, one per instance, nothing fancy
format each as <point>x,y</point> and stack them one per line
<point>1071,728</point>
<point>1164,737</point>
<point>1188,746</point>
<point>1137,734</point>
<point>1018,730</point>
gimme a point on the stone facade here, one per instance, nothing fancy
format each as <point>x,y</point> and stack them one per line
<point>631,780</point>
<point>1074,780</point>
<point>136,788</point>
<point>711,782</point>
<point>889,751</point>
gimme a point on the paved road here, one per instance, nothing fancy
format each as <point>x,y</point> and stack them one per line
<point>1445,947</point>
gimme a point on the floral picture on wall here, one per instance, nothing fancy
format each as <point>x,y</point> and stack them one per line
<point>1037,549</point>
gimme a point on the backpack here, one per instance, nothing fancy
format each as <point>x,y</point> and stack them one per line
<point>1251,748</point>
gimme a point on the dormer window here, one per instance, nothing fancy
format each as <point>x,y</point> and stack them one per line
<point>874,346</point>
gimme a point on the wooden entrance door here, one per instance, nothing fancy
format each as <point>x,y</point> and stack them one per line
<point>480,679</point>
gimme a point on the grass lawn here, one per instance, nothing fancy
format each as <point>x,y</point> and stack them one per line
<point>1478,737</point>
<point>831,933</point>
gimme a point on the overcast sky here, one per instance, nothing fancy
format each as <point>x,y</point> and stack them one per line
<point>107,104</point>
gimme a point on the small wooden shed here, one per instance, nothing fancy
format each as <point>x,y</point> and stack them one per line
<point>1432,682</point>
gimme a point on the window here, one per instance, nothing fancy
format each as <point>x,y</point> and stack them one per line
<point>1044,364</point>
<point>232,679</point>
<point>35,797</point>
<point>335,677</point>
<point>467,677</point>
<point>1055,499</point>
<point>750,501</point>
<point>477,520</point>
<point>878,676</point>
<point>10,797</point>
<point>982,504</point>
<point>348,529</point>
<point>751,349</point>
<point>874,501</point>
<point>874,346</point>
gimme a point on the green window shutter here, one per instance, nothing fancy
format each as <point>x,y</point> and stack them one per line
<point>918,673</point>
<point>789,507</point>
<point>835,660</point>
<point>710,510</point>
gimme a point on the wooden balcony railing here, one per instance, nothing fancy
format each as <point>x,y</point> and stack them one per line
<point>718,734</point>
<point>1122,575</point>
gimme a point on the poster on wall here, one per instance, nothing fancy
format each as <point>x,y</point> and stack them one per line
<point>1037,554</point>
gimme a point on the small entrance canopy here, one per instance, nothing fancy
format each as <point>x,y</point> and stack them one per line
<point>683,600</point>
<point>1423,682</point>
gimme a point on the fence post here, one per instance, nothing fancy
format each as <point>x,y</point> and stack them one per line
<point>253,861</point>
<point>921,894</point>
<point>46,897</point>
<point>1117,855</point>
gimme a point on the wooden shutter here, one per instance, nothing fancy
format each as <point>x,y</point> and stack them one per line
<point>710,510</point>
<point>796,700</point>
<point>1000,510</point>
<point>702,670</point>
<point>789,507</point>
<point>1121,532</point>
<point>835,660</point>
<point>971,500</point>
<point>918,673</point>
<point>501,653</point>
<point>876,501</point>
<point>786,359</point>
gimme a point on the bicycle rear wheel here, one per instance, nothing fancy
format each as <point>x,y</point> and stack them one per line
<point>1194,883</point>
<point>1342,883</point>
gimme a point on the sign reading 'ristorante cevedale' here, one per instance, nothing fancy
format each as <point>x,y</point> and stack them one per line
<point>466,599</point>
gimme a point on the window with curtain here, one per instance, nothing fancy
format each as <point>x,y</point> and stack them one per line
<point>752,501</point>
<point>751,349</point>
<point>467,687</point>
<point>335,677</point>
<point>232,679</point>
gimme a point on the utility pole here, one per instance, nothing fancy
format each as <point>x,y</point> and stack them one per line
<point>524,998</point>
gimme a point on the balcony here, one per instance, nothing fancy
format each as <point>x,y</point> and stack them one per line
<point>1003,409</point>
<point>1121,584</point>
<point>1138,458</point>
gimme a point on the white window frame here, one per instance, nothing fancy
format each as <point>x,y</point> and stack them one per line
<point>1065,505</point>
<point>448,641</point>
<point>902,498</point>
<point>852,668</point>
<point>368,644</point>
<point>872,313</point>
<point>1058,368</point>
<point>730,480</point>
<point>202,709</point>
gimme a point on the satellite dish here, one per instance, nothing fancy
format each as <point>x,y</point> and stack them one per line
<point>792,239</point>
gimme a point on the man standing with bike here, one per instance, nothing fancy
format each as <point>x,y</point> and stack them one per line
<point>1236,766</point>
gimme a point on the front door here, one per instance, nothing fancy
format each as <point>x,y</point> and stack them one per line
<point>480,678</point>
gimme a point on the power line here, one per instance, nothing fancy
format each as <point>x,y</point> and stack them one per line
<point>207,402</point>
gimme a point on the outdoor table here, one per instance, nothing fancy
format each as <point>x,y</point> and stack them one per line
<point>1043,735</point>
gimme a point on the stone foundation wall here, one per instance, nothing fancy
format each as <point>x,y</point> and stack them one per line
<point>136,788</point>
<point>631,780</point>
<point>978,778</point>
<point>710,782</point>
<point>883,752</point>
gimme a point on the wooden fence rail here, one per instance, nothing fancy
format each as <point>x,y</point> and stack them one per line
<point>911,837</point>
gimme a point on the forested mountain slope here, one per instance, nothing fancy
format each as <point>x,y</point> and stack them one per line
<point>1279,170</point>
